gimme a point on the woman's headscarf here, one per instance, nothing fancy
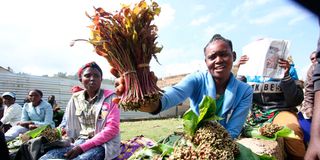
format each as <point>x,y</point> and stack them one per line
<point>90,65</point>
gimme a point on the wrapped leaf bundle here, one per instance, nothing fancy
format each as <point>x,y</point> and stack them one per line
<point>270,129</point>
<point>127,39</point>
<point>52,134</point>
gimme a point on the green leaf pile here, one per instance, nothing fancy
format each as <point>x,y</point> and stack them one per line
<point>284,132</point>
<point>207,109</point>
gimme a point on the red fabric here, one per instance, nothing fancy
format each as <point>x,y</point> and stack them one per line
<point>90,64</point>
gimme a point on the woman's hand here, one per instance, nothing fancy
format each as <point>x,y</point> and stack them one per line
<point>74,152</point>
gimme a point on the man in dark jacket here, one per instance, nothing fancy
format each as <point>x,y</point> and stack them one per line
<point>313,152</point>
<point>275,101</point>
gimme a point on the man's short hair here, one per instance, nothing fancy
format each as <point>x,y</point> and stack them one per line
<point>218,37</point>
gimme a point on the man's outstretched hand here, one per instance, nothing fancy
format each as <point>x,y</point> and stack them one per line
<point>118,84</point>
<point>120,89</point>
<point>243,60</point>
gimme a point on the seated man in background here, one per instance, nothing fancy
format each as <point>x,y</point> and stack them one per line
<point>57,112</point>
<point>305,114</point>
<point>12,111</point>
<point>275,101</point>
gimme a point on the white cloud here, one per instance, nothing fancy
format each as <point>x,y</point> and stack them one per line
<point>258,36</point>
<point>298,19</point>
<point>166,17</point>
<point>247,6</point>
<point>201,20</point>
<point>183,68</point>
<point>199,7</point>
<point>177,61</point>
<point>171,55</point>
<point>220,28</point>
<point>274,15</point>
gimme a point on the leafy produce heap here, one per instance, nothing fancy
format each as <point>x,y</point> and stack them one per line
<point>270,129</point>
<point>127,39</point>
<point>211,141</point>
<point>203,138</point>
<point>51,134</point>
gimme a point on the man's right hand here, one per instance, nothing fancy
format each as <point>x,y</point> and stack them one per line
<point>243,60</point>
<point>119,85</point>
<point>313,152</point>
<point>25,124</point>
<point>120,89</point>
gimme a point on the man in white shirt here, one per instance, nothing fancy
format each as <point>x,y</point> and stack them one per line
<point>12,112</point>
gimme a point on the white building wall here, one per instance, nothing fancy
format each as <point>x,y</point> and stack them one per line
<point>22,84</point>
<point>61,88</point>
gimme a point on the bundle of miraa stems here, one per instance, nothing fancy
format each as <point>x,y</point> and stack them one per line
<point>127,39</point>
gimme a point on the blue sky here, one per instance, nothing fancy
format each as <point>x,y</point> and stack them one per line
<point>35,35</point>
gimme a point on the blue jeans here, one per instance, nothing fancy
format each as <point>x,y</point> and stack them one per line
<point>96,153</point>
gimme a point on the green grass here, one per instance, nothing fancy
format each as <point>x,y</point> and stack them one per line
<point>153,129</point>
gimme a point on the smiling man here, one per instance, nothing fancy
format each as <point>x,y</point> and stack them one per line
<point>233,98</point>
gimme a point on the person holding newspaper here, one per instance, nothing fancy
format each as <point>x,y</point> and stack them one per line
<point>275,101</point>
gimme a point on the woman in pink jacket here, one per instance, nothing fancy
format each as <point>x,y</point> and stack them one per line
<point>92,120</point>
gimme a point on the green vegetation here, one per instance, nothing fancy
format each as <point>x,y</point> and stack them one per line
<point>153,129</point>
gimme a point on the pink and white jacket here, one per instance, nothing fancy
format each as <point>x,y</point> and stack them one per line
<point>107,133</point>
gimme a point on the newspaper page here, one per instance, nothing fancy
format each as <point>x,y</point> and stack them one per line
<point>263,58</point>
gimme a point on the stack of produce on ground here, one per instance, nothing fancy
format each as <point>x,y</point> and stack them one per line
<point>211,141</point>
<point>127,39</point>
<point>203,138</point>
<point>51,134</point>
<point>267,139</point>
<point>268,147</point>
<point>270,129</point>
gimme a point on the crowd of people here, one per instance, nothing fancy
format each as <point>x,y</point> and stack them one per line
<point>91,120</point>
<point>17,119</point>
<point>238,103</point>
